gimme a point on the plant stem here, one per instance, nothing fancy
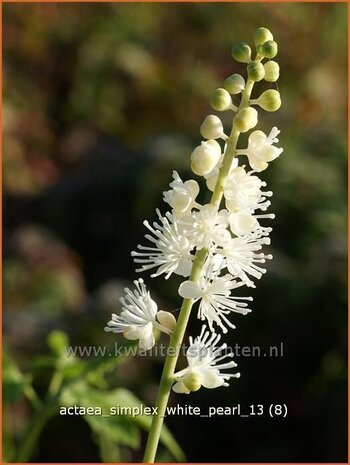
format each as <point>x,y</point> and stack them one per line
<point>170,364</point>
<point>167,378</point>
<point>44,411</point>
<point>34,429</point>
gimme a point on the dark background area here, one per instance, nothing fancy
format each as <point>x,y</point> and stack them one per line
<point>101,103</point>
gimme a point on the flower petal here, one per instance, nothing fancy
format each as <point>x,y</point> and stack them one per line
<point>210,379</point>
<point>132,332</point>
<point>190,290</point>
<point>166,319</point>
<point>180,388</point>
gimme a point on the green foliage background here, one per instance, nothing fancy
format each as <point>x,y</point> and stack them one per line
<point>101,103</point>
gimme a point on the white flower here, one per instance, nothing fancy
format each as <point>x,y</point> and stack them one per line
<point>242,255</point>
<point>182,196</point>
<point>205,157</point>
<point>204,361</point>
<point>261,150</point>
<point>138,317</point>
<point>214,293</point>
<point>171,252</point>
<point>207,226</point>
<point>242,223</point>
<point>243,192</point>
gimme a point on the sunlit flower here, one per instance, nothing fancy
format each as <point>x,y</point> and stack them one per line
<point>242,223</point>
<point>214,293</point>
<point>182,196</point>
<point>204,359</point>
<point>243,256</point>
<point>139,317</point>
<point>207,226</point>
<point>261,150</point>
<point>171,252</point>
<point>243,192</point>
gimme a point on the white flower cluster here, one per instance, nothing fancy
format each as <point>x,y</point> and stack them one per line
<point>232,237</point>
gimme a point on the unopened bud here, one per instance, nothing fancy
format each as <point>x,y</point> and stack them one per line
<point>270,100</point>
<point>246,119</point>
<point>205,157</point>
<point>262,35</point>
<point>272,71</point>
<point>256,71</point>
<point>193,381</point>
<point>220,100</point>
<point>269,49</point>
<point>241,52</point>
<point>212,127</point>
<point>235,84</point>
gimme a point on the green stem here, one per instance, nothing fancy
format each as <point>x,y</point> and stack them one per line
<point>34,429</point>
<point>32,396</point>
<point>230,151</point>
<point>167,378</point>
<point>44,411</point>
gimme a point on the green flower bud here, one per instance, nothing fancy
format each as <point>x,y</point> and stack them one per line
<point>193,381</point>
<point>270,100</point>
<point>269,49</point>
<point>235,84</point>
<point>262,35</point>
<point>241,52</point>
<point>220,100</point>
<point>256,71</point>
<point>272,71</point>
<point>246,119</point>
<point>212,127</point>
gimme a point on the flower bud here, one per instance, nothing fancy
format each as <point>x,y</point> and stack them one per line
<point>241,52</point>
<point>270,100</point>
<point>193,381</point>
<point>256,71</point>
<point>262,35</point>
<point>269,49</point>
<point>246,119</point>
<point>272,71</point>
<point>235,84</point>
<point>205,157</point>
<point>212,127</point>
<point>220,100</point>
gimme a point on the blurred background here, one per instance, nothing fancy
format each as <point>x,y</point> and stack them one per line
<point>101,102</point>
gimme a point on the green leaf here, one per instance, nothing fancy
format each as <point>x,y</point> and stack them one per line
<point>14,382</point>
<point>126,398</point>
<point>118,428</point>
<point>123,429</point>
<point>109,450</point>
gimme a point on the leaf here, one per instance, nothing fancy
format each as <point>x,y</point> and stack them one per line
<point>109,450</point>
<point>118,428</point>
<point>123,429</point>
<point>14,382</point>
<point>124,397</point>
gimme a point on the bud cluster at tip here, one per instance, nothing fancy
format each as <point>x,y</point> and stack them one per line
<point>206,156</point>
